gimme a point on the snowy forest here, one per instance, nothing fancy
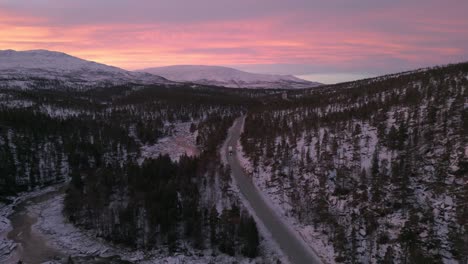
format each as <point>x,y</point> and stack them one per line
<point>377,168</point>
<point>94,138</point>
<point>371,171</point>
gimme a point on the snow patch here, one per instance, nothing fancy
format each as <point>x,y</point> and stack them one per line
<point>181,142</point>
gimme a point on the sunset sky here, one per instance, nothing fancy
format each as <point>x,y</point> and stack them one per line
<point>327,41</point>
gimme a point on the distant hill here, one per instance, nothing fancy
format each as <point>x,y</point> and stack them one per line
<point>228,77</point>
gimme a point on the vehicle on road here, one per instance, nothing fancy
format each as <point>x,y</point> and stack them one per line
<point>230,150</point>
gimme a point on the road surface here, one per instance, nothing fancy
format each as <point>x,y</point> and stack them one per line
<point>292,246</point>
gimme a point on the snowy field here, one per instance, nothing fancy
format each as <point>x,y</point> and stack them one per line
<point>180,142</point>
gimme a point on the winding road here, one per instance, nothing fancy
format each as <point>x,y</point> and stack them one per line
<point>292,246</point>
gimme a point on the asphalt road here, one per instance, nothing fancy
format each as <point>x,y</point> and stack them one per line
<point>291,245</point>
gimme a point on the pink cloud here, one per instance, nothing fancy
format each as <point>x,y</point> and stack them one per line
<point>290,38</point>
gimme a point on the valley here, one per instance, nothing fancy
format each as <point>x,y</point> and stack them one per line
<point>134,188</point>
<point>138,171</point>
<point>233,132</point>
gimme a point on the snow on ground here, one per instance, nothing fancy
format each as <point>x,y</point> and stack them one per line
<point>180,142</point>
<point>68,238</point>
<point>73,241</point>
<point>312,238</point>
<point>16,103</point>
<point>55,112</point>
<point>7,247</point>
<point>268,246</point>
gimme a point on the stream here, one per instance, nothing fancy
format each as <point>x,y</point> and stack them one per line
<point>32,247</point>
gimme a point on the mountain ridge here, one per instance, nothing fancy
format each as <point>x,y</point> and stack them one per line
<point>74,72</point>
<point>21,68</point>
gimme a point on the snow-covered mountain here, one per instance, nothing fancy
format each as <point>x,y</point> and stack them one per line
<point>30,69</point>
<point>21,68</point>
<point>228,77</point>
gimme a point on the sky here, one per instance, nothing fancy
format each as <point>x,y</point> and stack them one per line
<point>327,41</point>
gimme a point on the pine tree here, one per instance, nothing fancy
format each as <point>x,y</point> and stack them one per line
<point>389,257</point>
<point>376,178</point>
<point>214,222</point>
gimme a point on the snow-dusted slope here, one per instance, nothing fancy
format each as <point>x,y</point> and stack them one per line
<point>22,67</point>
<point>228,77</point>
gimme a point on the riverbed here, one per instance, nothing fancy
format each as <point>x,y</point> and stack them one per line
<point>34,243</point>
<point>31,246</point>
<point>39,233</point>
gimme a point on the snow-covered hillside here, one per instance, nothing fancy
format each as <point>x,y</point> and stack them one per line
<point>228,77</point>
<point>373,171</point>
<point>22,68</point>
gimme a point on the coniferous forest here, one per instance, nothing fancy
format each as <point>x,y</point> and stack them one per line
<point>92,140</point>
<point>373,171</point>
<point>378,167</point>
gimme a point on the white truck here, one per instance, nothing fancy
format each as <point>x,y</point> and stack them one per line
<point>230,150</point>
